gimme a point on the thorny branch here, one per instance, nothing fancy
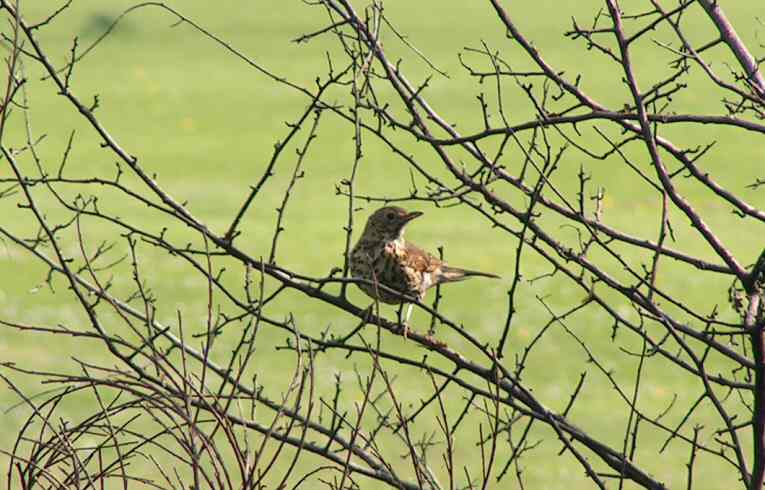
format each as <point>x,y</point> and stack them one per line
<point>175,405</point>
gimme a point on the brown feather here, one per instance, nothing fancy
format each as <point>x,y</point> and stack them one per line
<point>453,274</point>
<point>419,259</point>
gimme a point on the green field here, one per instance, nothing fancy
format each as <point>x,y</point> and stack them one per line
<point>206,123</point>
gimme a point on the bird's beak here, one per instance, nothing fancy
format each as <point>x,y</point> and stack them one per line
<point>410,216</point>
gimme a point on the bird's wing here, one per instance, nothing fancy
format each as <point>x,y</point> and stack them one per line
<point>435,270</point>
<point>420,260</point>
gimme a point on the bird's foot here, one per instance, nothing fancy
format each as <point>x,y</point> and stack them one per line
<point>432,339</point>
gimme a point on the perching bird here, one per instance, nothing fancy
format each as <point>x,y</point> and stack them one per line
<point>382,256</point>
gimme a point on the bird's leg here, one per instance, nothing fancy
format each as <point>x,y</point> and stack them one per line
<point>409,307</point>
<point>404,320</point>
<point>400,317</point>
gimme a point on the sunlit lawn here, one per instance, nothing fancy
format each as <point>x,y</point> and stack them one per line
<point>206,123</point>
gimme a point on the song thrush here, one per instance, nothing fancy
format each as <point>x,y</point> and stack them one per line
<point>383,257</point>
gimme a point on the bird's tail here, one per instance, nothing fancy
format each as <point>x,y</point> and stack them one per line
<point>453,274</point>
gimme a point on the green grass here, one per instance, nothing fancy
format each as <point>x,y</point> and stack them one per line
<point>206,123</point>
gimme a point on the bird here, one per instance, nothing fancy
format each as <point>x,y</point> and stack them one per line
<point>383,257</point>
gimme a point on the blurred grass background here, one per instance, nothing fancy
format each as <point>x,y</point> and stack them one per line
<point>205,123</point>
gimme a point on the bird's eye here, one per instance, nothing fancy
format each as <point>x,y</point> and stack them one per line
<point>390,215</point>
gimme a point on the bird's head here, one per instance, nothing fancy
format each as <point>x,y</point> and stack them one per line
<point>388,223</point>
